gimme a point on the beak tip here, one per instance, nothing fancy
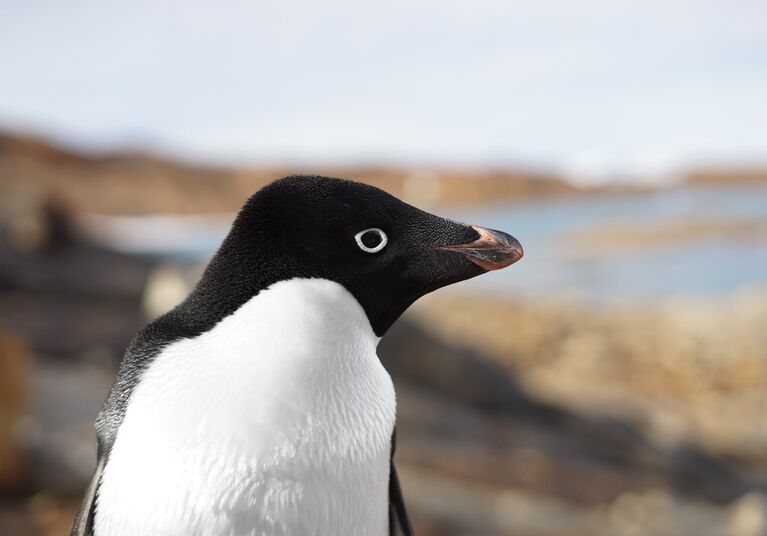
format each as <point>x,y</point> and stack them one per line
<point>493,250</point>
<point>505,249</point>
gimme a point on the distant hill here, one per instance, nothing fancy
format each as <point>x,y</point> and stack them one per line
<point>32,170</point>
<point>727,175</point>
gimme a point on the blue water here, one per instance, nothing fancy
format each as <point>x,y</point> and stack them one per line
<point>704,266</point>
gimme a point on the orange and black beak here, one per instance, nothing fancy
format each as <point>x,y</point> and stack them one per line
<point>493,250</point>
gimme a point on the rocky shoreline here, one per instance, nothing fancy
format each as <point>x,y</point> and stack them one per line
<point>550,417</point>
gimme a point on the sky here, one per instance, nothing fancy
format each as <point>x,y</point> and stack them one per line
<point>596,90</point>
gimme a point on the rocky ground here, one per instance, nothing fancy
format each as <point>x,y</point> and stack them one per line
<point>515,417</point>
<point>689,369</point>
<point>637,420</point>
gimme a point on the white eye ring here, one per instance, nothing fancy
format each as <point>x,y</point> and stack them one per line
<point>379,247</point>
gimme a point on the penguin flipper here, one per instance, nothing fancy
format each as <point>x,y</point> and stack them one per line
<point>83,523</point>
<point>399,522</point>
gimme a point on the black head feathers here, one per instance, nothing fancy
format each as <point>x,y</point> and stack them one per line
<point>385,252</point>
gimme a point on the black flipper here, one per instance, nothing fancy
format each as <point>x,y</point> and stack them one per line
<point>83,523</point>
<point>399,523</point>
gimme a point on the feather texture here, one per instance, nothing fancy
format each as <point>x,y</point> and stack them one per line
<point>276,421</point>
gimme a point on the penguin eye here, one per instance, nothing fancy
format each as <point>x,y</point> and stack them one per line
<point>371,240</point>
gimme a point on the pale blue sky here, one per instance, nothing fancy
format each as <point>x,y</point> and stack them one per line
<point>592,88</point>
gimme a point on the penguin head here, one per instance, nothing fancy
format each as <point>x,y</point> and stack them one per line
<point>386,253</point>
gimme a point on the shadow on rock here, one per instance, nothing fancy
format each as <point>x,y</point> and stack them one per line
<point>461,413</point>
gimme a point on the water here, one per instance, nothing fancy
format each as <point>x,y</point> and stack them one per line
<point>700,266</point>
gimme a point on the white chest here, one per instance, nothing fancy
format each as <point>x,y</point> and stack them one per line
<point>276,422</point>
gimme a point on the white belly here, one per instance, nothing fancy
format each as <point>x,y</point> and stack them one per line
<point>278,421</point>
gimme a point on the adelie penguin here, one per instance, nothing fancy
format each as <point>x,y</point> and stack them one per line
<point>258,406</point>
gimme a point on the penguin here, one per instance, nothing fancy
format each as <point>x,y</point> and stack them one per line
<point>258,406</point>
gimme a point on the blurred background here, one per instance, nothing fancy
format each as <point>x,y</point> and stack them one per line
<point>614,382</point>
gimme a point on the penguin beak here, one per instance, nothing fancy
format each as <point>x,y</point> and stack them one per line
<point>493,250</point>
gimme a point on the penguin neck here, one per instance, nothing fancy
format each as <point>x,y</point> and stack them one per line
<point>246,265</point>
<point>236,274</point>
